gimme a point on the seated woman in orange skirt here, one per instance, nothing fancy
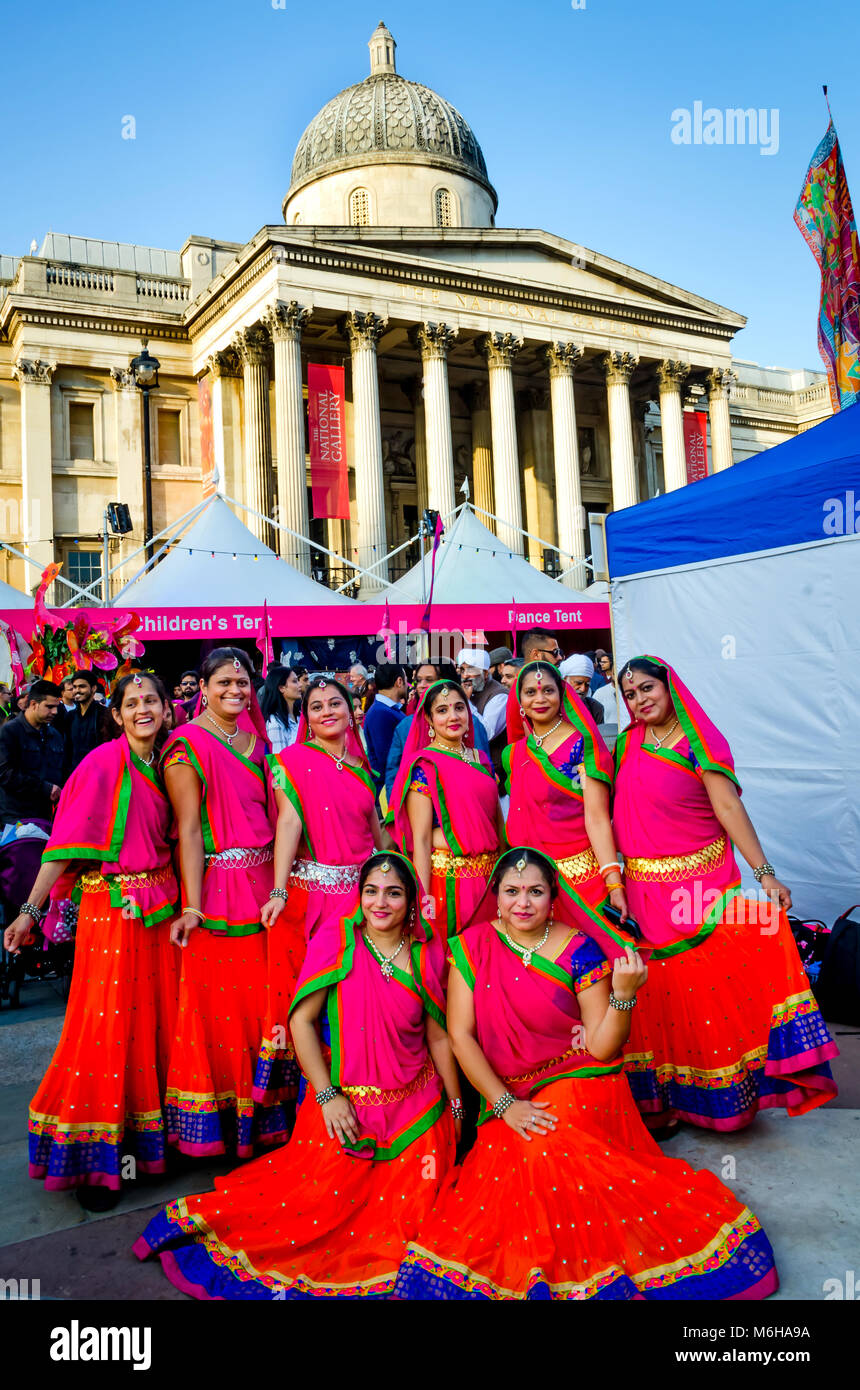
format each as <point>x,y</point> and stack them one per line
<point>329,1215</point>
<point>566,1196</point>
<point>729,1024</point>
<point>101,1100</point>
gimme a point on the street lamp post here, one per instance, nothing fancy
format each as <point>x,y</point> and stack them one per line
<point>144,369</point>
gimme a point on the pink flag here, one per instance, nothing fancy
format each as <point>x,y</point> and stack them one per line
<point>264,641</point>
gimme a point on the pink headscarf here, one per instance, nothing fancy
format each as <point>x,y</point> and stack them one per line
<point>709,746</point>
<point>354,745</point>
<point>418,739</point>
<point>596,756</point>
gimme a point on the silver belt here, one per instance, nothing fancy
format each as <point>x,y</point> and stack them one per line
<point>241,858</point>
<point>329,878</point>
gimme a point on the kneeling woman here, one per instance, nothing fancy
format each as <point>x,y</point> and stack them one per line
<point>329,1215</point>
<point>566,1196</point>
<point>101,1100</point>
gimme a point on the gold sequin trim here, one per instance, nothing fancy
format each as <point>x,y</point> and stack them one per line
<point>545,1066</point>
<point>94,882</point>
<point>677,866</point>
<point>375,1095</point>
<point>442,861</point>
<point>579,868</point>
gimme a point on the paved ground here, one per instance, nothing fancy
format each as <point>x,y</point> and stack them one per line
<point>801,1177</point>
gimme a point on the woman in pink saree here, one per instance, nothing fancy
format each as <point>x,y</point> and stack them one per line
<point>329,1215</point>
<point>445,805</point>
<point>565,1194</point>
<point>110,851</point>
<point>729,1024</point>
<point>327,827</point>
<point>559,779</point>
<point>215,774</point>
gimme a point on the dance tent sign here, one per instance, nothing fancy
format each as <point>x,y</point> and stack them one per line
<point>749,584</point>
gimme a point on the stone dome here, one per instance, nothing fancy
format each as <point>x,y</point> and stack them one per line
<point>387,120</point>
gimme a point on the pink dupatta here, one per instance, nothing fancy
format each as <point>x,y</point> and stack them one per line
<point>661,810</point>
<point>465,795</point>
<point>376,1027</point>
<point>113,814</point>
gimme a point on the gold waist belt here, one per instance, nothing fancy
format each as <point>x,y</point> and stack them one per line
<point>545,1066</point>
<point>677,866</point>
<point>579,867</point>
<point>442,861</point>
<point>95,882</point>
<point>375,1095</point>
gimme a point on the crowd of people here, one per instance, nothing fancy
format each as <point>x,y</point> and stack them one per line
<point>443,971</point>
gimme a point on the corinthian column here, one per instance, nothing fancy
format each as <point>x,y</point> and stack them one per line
<point>561,359</point>
<point>434,341</point>
<point>500,350</point>
<point>285,323</point>
<point>129,473</point>
<point>225,371</point>
<point>478,398</point>
<point>720,382</point>
<point>671,376</point>
<point>252,345</point>
<point>619,367</point>
<point>363,331</point>
<point>413,390</point>
<point>37,491</point>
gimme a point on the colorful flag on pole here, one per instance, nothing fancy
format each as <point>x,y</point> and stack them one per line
<point>437,536</point>
<point>386,632</point>
<point>825,218</point>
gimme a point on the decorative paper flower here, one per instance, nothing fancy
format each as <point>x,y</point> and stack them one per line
<point>125,625</point>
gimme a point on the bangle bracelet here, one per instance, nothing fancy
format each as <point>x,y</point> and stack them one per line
<point>457,1108</point>
<point>278,893</point>
<point>324,1096</point>
<point>611,887</point>
<point>615,865</point>
<point>504,1102</point>
<point>622,1004</point>
<point>195,912</point>
<point>763,870</point>
<point>31,910</point>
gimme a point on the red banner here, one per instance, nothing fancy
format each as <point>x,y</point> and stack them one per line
<point>696,444</point>
<point>326,418</point>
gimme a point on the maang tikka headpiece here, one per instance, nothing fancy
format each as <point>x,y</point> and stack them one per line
<point>137,680</point>
<point>237,665</point>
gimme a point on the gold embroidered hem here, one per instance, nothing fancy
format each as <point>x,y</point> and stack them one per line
<point>579,868</point>
<point>546,1066</point>
<point>674,867</point>
<point>442,861</point>
<point>375,1095</point>
<point>93,881</point>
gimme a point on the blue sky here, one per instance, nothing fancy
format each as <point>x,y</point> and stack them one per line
<point>572,108</point>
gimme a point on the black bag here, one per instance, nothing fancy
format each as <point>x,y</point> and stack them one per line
<point>810,938</point>
<point>838,988</point>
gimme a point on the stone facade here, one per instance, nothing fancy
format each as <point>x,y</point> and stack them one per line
<point>552,378</point>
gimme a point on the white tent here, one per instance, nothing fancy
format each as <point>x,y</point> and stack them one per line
<point>474,566</point>
<point>13,598</point>
<point>748,582</point>
<point>219,562</point>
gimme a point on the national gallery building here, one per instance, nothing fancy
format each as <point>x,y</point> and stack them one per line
<point>552,378</point>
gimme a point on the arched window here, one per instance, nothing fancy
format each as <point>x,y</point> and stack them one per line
<point>444,207</point>
<point>297,219</point>
<point>359,208</point>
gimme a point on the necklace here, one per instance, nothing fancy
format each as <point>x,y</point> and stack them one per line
<point>658,742</point>
<point>539,740</point>
<point>526,952</point>
<point>462,752</point>
<point>150,761</point>
<point>338,761</point>
<point>386,963</point>
<point>223,732</point>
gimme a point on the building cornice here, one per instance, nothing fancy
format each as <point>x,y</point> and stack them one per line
<point>15,313</point>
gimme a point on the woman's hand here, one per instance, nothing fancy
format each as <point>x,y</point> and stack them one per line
<point>618,898</point>
<point>428,907</point>
<point>183,927</point>
<point>17,933</point>
<point>271,911</point>
<point>772,885</point>
<point>341,1121</point>
<point>527,1117</point>
<point>628,974</point>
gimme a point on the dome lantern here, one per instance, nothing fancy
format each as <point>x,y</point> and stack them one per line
<point>382,45</point>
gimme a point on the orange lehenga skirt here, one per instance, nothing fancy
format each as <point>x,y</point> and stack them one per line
<point>593,1210</point>
<point>98,1114</point>
<point>307,1222</point>
<point>729,1027</point>
<point>457,884</point>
